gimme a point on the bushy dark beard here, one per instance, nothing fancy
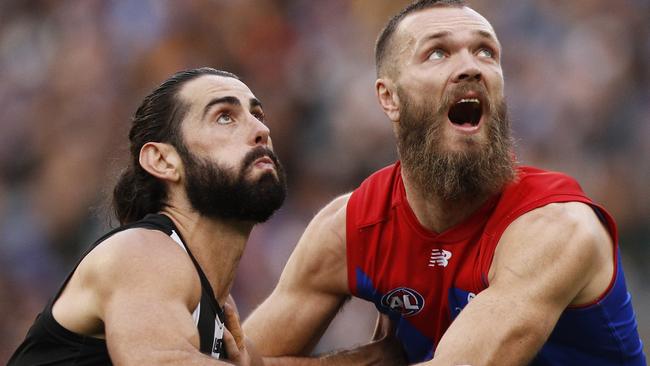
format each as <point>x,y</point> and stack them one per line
<point>218,192</point>
<point>475,172</point>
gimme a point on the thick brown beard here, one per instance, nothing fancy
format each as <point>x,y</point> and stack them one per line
<point>476,173</point>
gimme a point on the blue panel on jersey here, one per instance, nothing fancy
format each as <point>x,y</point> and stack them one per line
<point>417,346</point>
<point>366,289</point>
<point>602,334</point>
<point>458,299</point>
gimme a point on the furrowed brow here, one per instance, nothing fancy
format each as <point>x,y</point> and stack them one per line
<point>222,100</point>
<point>430,37</point>
<point>441,34</point>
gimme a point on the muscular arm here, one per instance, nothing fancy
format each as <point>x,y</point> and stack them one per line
<point>143,289</point>
<point>311,289</point>
<point>313,286</point>
<point>548,259</point>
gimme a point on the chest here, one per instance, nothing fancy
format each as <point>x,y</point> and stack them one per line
<point>424,280</point>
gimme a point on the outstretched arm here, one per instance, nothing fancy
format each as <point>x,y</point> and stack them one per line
<point>312,288</point>
<point>550,258</point>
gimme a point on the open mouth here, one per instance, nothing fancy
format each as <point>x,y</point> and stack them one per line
<point>466,112</point>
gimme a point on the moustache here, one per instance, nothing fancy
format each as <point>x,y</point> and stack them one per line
<point>457,92</point>
<point>260,152</point>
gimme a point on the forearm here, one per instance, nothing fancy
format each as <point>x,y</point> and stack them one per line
<point>358,357</point>
<point>169,357</point>
<point>508,336</point>
<point>386,351</point>
<point>292,361</point>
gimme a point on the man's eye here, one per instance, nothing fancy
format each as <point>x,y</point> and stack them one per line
<point>485,52</point>
<point>437,54</point>
<point>224,119</point>
<point>259,116</point>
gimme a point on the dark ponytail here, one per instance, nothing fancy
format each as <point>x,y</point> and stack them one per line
<point>157,119</point>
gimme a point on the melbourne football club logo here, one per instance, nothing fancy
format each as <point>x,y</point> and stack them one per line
<point>404,301</point>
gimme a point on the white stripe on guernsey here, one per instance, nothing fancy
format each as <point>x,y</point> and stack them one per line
<point>178,240</point>
<point>197,311</point>
<point>218,335</point>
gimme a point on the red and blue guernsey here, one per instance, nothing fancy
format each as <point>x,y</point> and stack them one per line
<point>424,279</point>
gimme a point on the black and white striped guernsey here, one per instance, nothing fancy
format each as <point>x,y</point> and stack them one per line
<point>49,343</point>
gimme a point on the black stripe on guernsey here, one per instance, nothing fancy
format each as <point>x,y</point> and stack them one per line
<point>49,343</point>
<point>206,318</point>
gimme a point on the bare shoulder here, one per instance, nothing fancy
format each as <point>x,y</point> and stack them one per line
<point>332,217</point>
<point>142,261</point>
<point>134,264</point>
<point>320,257</point>
<point>566,226</point>
<point>326,231</point>
<point>335,208</point>
<point>564,243</point>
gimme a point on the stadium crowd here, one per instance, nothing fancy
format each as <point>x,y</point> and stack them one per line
<point>72,72</point>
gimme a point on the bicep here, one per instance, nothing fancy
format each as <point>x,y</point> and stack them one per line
<point>290,323</point>
<point>145,328</point>
<point>311,289</point>
<point>552,254</point>
<point>543,261</point>
<point>146,303</point>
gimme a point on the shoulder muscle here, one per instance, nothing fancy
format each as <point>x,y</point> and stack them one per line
<point>141,262</point>
<point>320,255</point>
<point>562,247</point>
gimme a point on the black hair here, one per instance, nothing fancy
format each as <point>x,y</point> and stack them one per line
<point>157,119</point>
<point>383,45</point>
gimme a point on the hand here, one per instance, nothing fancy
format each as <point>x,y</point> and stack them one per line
<point>383,350</point>
<point>233,338</point>
<point>386,344</point>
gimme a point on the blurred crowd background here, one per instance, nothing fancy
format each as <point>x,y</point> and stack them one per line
<point>73,72</point>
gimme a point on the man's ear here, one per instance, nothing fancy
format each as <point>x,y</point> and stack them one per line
<point>161,160</point>
<point>388,98</point>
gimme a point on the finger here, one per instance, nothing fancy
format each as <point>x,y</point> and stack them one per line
<point>376,334</point>
<point>232,324</point>
<point>382,327</point>
<point>232,350</point>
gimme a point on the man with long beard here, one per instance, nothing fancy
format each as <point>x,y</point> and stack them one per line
<point>154,291</point>
<point>476,260</point>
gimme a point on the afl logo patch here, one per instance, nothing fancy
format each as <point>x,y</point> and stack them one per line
<point>404,301</point>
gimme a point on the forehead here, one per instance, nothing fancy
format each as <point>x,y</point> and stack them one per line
<point>201,90</point>
<point>443,19</point>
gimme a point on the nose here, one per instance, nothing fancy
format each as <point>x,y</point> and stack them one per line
<point>468,70</point>
<point>261,132</point>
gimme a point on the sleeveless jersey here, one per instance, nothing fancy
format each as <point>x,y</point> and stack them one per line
<point>49,343</point>
<point>422,279</point>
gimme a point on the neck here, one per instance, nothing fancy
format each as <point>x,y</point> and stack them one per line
<point>217,245</point>
<point>438,214</point>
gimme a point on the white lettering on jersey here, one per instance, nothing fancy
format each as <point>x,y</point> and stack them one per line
<point>403,300</point>
<point>408,305</point>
